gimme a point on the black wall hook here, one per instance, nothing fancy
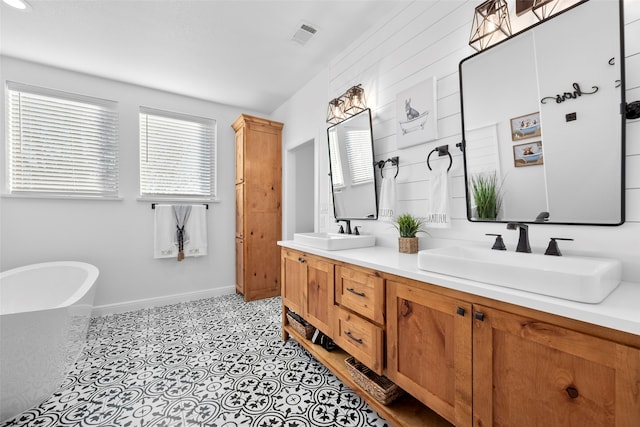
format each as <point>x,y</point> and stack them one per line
<point>395,161</point>
<point>442,150</point>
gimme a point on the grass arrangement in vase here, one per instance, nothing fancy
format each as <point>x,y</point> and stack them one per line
<point>408,226</point>
<point>486,194</point>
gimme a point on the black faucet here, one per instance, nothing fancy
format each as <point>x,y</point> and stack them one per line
<point>523,240</point>
<point>348,223</point>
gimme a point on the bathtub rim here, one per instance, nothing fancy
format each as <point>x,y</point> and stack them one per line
<point>92,275</point>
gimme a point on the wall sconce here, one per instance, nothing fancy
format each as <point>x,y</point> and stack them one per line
<point>335,112</point>
<point>491,24</point>
<point>543,8</point>
<point>346,105</point>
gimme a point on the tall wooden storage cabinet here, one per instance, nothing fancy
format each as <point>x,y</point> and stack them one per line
<point>258,206</point>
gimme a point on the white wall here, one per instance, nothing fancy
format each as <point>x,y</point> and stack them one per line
<point>117,236</point>
<point>426,39</point>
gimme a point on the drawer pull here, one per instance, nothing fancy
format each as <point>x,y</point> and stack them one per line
<point>353,291</point>
<point>460,311</point>
<point>349,335</point>
<point>572,392</point>
<point>479,316</point>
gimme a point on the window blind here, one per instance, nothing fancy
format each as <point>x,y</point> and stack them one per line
<point>177,155</point>
<point>60,143</point>
<point>359,155</point>
<point>334,158</point>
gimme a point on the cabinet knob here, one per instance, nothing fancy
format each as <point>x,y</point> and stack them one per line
<point>460,311</point>
<point>572,392</point>
<point>406,308</point>
<point>302,260</point>
<point>479,316</point>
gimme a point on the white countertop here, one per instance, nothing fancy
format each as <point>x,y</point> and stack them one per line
<point>620,310</point>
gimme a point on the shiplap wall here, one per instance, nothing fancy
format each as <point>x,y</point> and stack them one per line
<point>427,38</point>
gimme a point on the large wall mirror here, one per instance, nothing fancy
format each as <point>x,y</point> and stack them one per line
<point>352,169</point>
<point>542,119</point>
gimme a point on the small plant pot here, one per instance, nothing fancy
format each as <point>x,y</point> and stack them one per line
<point>408,245</point>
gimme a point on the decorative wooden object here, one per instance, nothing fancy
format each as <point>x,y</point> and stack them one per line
<point>258,206</point>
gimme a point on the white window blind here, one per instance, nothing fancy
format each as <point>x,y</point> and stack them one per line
<point>336,163</point>
<point>177,155</point>
<point>359,155</point>
<point>61,144</point>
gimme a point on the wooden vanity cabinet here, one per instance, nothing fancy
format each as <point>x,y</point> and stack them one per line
<point>307,288</point>
<point>258,145</point>
<point>429,348</point>
<point>529,372</point>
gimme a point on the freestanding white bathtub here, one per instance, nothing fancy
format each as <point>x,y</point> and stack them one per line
<point>44,315</point>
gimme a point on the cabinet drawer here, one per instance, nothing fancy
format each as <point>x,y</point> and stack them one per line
<point>360,338</point>
<point>361,292</point>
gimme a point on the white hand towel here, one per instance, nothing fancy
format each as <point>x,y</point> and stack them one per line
<point>387,207</point>
<point>438,215</point>
<point>164,232</point>
<point>196,229</point>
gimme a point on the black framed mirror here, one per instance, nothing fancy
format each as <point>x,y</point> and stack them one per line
<point>542,119</point>
<point>353,179</point>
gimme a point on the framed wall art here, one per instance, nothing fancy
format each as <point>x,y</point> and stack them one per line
<point>416,114</point>
<point>527,126</point>
<point>529,154</point>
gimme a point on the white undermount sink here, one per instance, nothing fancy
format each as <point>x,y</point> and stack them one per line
<point>334,241</point>
<point>582,279</point>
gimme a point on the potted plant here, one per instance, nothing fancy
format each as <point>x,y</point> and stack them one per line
<point>408,226</point>
<point>486,194</point>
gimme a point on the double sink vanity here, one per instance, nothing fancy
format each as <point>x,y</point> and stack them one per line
<point>473,335</point>
<point>486,337</point>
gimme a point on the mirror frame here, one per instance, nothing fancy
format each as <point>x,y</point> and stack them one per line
<point>373,163</point>
<point>622,121</point>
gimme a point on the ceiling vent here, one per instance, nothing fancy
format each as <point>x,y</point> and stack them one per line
<point>303,34</point>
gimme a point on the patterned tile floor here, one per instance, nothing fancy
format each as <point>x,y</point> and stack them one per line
<point>217,362</point>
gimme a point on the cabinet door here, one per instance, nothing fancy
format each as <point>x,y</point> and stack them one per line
<point>239,266</point>
<point>239,155</point>
<point>294,279</point>
<point>429,348</point>
<point>361,292</point>
<point>239,210</point>
<point>527,372</point>
<point>319,294</point>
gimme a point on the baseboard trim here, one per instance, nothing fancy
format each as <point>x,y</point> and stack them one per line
<point>123,307</point>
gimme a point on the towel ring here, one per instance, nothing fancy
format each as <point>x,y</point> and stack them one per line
<point>441,150</point>
<point>395,161</point>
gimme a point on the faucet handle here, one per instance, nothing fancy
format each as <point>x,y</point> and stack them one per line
<point>341,229</point>
<point>356,231</point>
<point>553,248</point>
<point>499,243</point>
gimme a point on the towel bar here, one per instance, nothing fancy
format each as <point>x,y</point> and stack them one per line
<point>153,205</point>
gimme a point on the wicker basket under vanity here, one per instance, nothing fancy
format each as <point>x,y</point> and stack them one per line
<point>306,330</point>
<point>381,388</point>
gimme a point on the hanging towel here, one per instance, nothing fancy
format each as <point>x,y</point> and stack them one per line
<point>387,207</point>
<point>166,241</point>
<point>164,232</point>
<point>438,214</point>
<point>195,243</point>
<point>181,214</point>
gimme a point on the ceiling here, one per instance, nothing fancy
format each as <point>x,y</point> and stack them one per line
<point>235,52</point>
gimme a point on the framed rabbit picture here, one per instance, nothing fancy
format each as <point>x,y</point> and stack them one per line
<point>416,116</point>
